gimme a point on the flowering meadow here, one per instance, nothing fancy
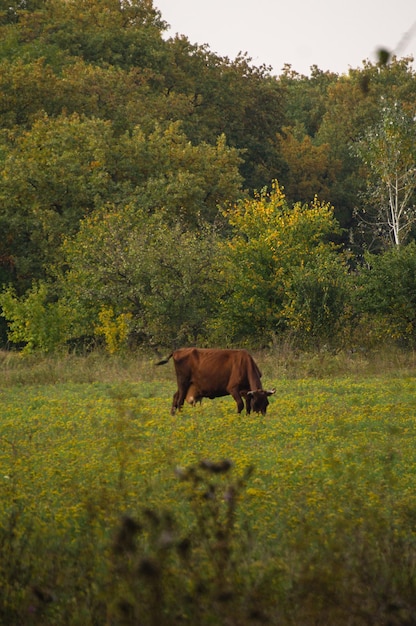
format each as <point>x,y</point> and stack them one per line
<point>115,512</point>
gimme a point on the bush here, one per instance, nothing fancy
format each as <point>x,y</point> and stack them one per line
<point>386,294</point>
<point>282,272</point>
<point>35,322</point>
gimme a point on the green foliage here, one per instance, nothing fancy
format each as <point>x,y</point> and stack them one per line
<point>127,97</point>
<point>163,80</point>
<point>51,176</point>
<point>306,98</point>
<point>167,172</point>
<point>281,270</point>
<point>124,96</point>
<point>102,32</point>
<point>34,321</point>
<point>101,114</point>
<point>316,300</point>
<point>388,151</point>
<point>386,295</point>
<point>353,105</point>
<point>63,168</point>
<point>25,89</point>
<point>231,97</point>
<point>164,276</point>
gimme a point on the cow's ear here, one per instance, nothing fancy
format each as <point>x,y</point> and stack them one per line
<point>271,392</point>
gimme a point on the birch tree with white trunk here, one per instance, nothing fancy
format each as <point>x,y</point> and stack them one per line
<point>388,151</point>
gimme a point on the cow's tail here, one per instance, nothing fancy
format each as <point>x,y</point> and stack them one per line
<point>163,361</point>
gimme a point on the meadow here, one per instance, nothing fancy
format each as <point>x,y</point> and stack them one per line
<point>114,512</point>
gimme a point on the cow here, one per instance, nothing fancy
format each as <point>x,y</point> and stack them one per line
<point>211,373</point>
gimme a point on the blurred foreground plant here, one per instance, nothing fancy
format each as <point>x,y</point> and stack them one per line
<point>164,574</point>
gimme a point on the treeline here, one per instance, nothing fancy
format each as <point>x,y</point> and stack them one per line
<point>153,193</point>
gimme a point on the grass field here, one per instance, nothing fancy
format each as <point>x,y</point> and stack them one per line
<point>114,512</point>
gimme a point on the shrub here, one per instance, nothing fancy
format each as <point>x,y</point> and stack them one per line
<point>34,321</point>
<point>386,294</point>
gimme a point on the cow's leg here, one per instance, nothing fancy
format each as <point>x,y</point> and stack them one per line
<point>237,397</point>
<point>248,400</point>
<point>178,399</point>
<point>174,403</point>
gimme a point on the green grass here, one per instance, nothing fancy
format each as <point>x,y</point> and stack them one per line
<point>322,530</point>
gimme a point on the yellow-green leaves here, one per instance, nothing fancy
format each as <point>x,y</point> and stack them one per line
<point>282,269</point>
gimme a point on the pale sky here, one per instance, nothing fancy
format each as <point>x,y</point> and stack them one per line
<point>332,34</point>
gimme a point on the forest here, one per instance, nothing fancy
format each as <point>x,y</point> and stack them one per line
<point>154,194</point>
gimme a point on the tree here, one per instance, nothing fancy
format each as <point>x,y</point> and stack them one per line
<point>10,10</point>
<point>306,99</point>
<point>25,90</point>
<point>164,277</point>
<point>50,177</point>
<point>128,97</point>
<point>128,276</point>
<point>34,321</point>
<point>62,169</point>
<point>281,271</point>
<point>102,32</point>
<point>227,97</point>
<point>309,168</point>
<point>388,151</point>
<point>352,107</point>
<point>385,294</point>
<point>165,170</point>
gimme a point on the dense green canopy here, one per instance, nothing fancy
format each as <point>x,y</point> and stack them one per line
<point>107,126</point>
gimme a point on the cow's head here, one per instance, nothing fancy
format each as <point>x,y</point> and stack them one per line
<point>257,400</point>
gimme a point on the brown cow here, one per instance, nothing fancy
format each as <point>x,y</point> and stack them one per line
<point>210,373</point>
